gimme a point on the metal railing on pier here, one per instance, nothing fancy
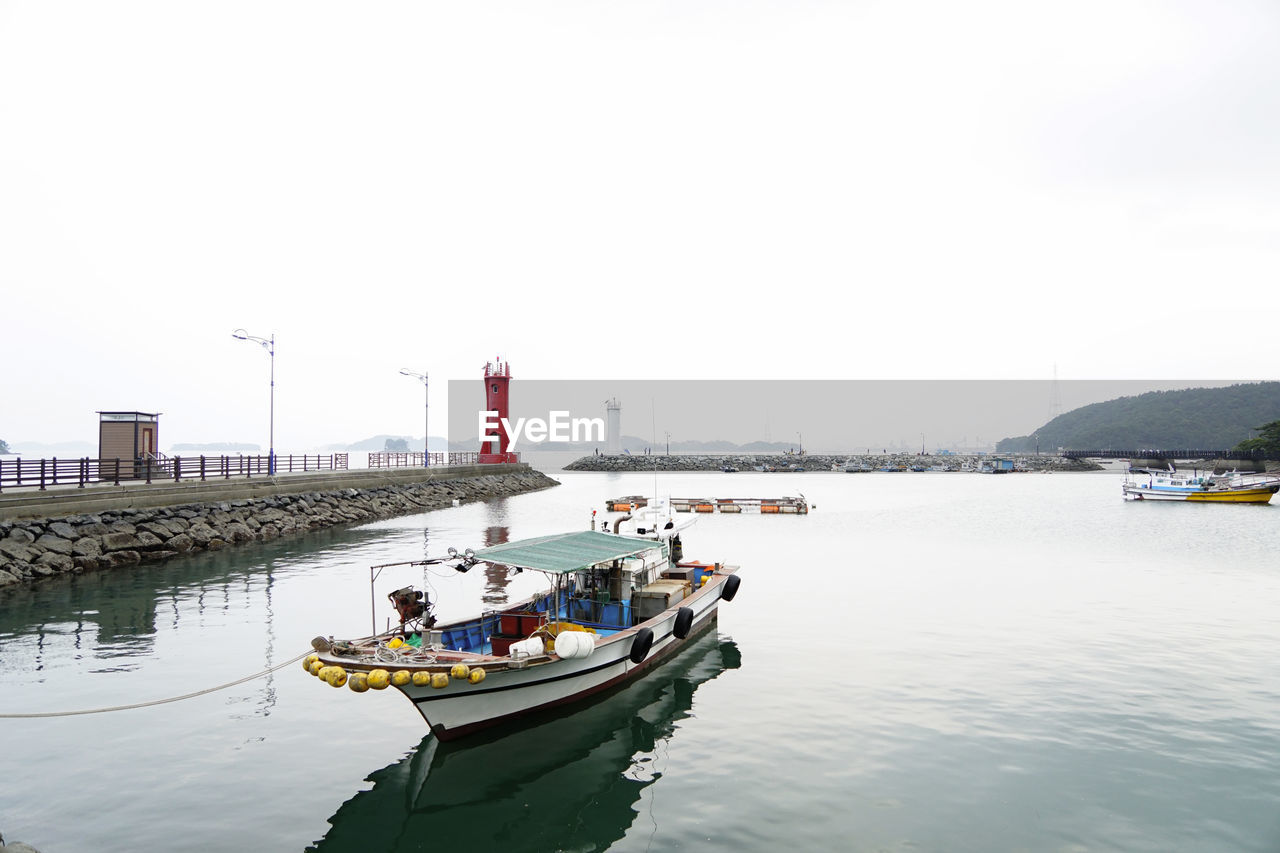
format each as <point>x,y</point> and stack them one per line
<point>31,473</point>
<point>397,459</point>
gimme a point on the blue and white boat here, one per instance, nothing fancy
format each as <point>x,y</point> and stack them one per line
<point>1170,484</point>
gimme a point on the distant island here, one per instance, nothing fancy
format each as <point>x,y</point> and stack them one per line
<point>384,441</point>
<point>1194,418</point>
<point>633,444</point>
<point>216,447</point>
<point>630,443</point>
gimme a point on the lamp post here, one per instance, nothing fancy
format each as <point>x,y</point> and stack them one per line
<point>426,401</point>
<point>668,444</point>
<point>801,440</point>
<point>268,344</point>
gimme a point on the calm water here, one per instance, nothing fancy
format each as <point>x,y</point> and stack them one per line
<point>925,662</point>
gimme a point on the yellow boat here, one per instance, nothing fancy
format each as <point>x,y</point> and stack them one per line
<point>1170,484</point>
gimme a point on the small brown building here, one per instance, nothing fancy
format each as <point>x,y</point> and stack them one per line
<point>131,437</point>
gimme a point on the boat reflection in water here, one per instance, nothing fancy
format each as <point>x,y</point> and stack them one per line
<point>562,781</point>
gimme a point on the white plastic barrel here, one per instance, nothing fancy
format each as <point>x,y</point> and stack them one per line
<point>575,644</point>
<point>527,648</point>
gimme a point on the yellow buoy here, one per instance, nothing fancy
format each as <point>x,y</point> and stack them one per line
<point>358,682</point>
<point>379,679</point>
<point>308,660</point>
<point>476,676</point>
<point>422,678</point>
<point>323,673</point>
<point>316,666</point>
<point>439,679</point>
<point>337,676</point>
<point>400,677</point>
<point>460,670</point>
<point>395,643</point>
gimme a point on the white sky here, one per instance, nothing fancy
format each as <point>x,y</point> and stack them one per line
<point>753,190</point>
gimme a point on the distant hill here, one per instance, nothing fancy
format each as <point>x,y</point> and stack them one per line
<point>216,447</point>
<point>68,449</point>
<point>1194,418</point>
<point>379,442</point>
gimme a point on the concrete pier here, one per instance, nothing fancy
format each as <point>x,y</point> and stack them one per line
<point>105,497</point>
<point>108,528</point>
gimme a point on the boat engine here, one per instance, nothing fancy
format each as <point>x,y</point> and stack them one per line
<point>412,604</point>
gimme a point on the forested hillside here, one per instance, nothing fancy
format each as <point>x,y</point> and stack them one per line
<point>1195,418</point>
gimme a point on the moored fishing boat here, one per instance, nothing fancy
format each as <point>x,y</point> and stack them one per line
<point>502,781</point>
<point>615,606</point>
<point>1170,484</point>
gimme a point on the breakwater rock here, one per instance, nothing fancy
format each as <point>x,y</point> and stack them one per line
<point>39,548</point>
<point>16,847</point>
<point>816,462</point>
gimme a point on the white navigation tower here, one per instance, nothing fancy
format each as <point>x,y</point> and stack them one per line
<point>613,438</point>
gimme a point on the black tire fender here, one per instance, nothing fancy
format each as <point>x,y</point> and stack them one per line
<point>731,585</point>
<point>684,621</point>
<point>641,644</point>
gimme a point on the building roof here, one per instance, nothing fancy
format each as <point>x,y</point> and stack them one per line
<point>565,552</point>
<point>107,415</point>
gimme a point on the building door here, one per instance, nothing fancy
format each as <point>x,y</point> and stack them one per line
<point>148,441</point>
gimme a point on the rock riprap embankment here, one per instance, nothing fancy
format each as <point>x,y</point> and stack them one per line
<point>812,462</point>
<point>40,548</point>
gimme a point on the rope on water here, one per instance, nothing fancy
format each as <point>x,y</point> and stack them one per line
<point>158,701</point>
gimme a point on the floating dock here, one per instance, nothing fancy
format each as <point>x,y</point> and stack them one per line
<point>787,505</point>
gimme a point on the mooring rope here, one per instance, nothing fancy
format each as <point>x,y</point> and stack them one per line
<point>158,701</point>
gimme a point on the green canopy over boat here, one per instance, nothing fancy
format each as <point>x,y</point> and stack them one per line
<point>565,552</point>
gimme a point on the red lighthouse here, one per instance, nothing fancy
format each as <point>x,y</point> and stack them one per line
<point>496,440</point>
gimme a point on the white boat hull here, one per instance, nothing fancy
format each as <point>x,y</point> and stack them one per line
<point>512,687</point>
<point>1230,495</point>
<point>461,708</point>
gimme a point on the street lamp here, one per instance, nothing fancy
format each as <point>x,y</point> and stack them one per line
<point>426,400</point>
<point>801,439</point>
<point>668,444</point>
<point>268,344</point>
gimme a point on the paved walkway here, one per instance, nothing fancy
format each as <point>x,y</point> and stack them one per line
<point>32,502</point>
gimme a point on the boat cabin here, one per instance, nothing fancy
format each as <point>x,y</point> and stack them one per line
<point>1171,478</point>
<point>600,582</point>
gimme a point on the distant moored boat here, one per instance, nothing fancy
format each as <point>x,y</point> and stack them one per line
<point>1169,484</point>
